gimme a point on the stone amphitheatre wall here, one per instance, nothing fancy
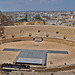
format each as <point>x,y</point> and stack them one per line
<point>54,68</point>
<point>58,34</point>
<point>62,41</point>
<point>40,31</point>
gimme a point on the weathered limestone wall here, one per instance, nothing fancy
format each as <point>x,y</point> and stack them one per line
<point>54,68</point>
<point>16,39</point>
<point>41,31</point>
<point>54,33</point>
<point>62,41</point>
<point>6,20</point>
<point>48,33</point>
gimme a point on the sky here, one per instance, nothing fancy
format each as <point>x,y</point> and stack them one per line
<point>37,5</point>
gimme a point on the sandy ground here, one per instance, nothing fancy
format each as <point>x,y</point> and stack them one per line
<point>52,59</point>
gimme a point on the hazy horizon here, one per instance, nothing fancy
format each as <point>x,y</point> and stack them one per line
<point>37,5</point>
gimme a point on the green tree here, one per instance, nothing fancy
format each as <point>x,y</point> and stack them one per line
<point>38,17</point>
<point>73,24</point>
<point>25,19</point>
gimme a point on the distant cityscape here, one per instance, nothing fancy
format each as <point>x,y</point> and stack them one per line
<point>65,18</point>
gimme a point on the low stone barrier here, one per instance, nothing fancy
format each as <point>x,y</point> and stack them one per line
<point>63,41</point>
<point>16,39</point>
<point>55,68</point>
<point>57,40</point>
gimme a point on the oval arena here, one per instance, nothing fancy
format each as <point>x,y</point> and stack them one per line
<point>38,46</point>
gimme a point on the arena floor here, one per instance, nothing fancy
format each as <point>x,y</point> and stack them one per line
<point>52,59</point>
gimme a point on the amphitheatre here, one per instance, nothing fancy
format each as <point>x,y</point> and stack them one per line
<point>51,48</point>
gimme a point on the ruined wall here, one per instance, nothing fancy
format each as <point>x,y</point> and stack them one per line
<point>6,20</point>
<point>54,68</point>
<point>59,32</point>
<point>1,31</point>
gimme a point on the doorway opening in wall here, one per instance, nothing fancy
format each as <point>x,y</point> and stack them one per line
<point>38,30</point>
<point>57,32</point>
<point>33,38</point>
<point>3,37</point>
<point>30,34</point>
<point>47,35</point>
<point>13,36</point>
<point>42,39</point>
<point>65,37</point>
